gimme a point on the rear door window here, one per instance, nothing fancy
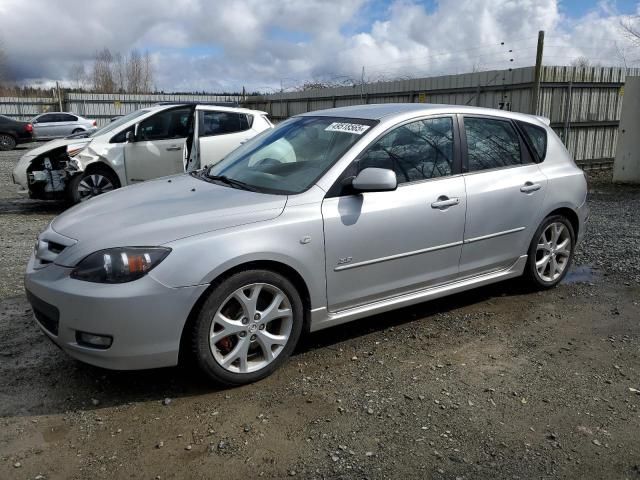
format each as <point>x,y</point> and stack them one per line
<point>65,117</point>
<point>220,123</point>
<point>491,143</point>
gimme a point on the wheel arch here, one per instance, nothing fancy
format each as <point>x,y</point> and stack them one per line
<point>283,269</point>
<point>99,166</point>
<point>570,215</point>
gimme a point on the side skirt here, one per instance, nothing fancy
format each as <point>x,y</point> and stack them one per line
<point>321,318</point>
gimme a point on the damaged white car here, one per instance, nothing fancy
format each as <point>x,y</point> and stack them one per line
<point>148,143</point>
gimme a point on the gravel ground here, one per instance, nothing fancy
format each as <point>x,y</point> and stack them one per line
<point>495,383</point>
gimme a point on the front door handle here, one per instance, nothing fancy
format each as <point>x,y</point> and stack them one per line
<point>445,202</point>
<point>173,148</point>
<point>530,187</point>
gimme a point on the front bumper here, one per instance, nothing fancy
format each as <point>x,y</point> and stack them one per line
<point>145,318</point>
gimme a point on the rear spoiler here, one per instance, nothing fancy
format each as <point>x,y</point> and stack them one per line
<point>544,120</point>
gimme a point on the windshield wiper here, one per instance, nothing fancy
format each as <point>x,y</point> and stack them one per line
<point>232,182</point>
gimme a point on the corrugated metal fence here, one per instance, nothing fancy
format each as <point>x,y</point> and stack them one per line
<point>98,106</point>
<point>583,104</point>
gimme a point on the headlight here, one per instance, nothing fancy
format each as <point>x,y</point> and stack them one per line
<point>75,148</point>
<point>119,265</point>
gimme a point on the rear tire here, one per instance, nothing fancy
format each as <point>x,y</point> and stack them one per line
<point>90,184</point>
<point>77,130</point>
<point>247,327</point>
<point>7,142</point>
<point>550,253</point>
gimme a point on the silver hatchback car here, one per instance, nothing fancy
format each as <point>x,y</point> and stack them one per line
<point>332,216</point>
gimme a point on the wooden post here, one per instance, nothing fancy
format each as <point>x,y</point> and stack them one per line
<point>59,97</point>
<point>537,74</point>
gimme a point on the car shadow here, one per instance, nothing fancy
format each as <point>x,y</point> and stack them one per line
<point>63,384</point>
<point>28,206</point>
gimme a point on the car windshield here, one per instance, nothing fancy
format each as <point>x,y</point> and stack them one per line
<point>111,125</point>
<point>291,157</point>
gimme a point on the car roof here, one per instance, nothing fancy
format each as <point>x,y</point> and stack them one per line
<point>208,106</point>
<point>221,108</point>
<point>388,111</point>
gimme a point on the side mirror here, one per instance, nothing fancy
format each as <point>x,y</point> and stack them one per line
<point>375,180</point>
<point>130,137</point>
<point>33,122</point>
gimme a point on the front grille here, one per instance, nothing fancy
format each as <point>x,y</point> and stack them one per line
<point>46,314</point>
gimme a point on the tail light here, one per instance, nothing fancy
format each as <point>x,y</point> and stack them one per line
<point>94,123</point>
<point>28,128</point>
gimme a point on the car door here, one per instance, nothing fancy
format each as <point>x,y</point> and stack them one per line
<point>505,191</point>
<point>65,124</point>
<point>220,132</point>
<point>44,126</point>
<point>158,147</point>
<point>381,244</point>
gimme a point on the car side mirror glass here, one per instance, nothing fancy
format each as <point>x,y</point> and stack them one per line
<point>34,122</point>
<point>375,180</point>
<point>130,137</point>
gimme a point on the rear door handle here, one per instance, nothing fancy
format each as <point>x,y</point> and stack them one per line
<point>445,202</point>
<point>530,187</point>
<point>174,147</point>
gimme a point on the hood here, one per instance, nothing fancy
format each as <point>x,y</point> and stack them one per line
<point>20,170</point>
<point>61,142</point>
<point>157,212</point>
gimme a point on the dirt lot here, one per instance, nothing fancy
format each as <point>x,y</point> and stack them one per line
<point>496,383</point>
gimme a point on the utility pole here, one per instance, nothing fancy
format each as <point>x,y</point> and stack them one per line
<point>537,74</point>
<point>59,97</point>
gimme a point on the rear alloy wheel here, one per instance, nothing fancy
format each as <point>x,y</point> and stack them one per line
<point>551,252</point>
<point>84,186</point>
<point>7,142</point>
<point>248,327</point>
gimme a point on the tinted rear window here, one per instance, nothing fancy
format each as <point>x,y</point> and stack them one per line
<point>537,138</point>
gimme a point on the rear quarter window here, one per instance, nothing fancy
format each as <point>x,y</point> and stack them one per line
<point>537,137</point>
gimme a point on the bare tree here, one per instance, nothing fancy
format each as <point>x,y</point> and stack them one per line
<point>3,65</point>
<point>78,76</point>
<point>581,62</point>
<point>631,29</point>
<point>102,74</point>
<point>119,72</point>
<point>131,73</point>
<point>147,73</point>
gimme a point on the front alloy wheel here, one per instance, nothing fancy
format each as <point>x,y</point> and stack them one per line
<point>251,328</point>
<point>85,185</point>
<point>247,327</point>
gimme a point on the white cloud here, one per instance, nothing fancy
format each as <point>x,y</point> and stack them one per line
<point>215,45</point>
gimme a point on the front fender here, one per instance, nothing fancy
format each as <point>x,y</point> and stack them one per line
<point>294,239</point>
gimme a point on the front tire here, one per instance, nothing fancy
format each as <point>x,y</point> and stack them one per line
<point>247,327</point>
<point>87,185</point>
<point>7,142</point>
<point>551,252</point>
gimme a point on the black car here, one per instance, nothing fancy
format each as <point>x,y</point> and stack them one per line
<point>13,132</point>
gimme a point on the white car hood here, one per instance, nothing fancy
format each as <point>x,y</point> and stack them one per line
<point>20,170</point>
<point>61,142</point>
<point>157,212</point>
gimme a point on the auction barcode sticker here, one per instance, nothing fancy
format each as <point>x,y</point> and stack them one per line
<point>354,128</point>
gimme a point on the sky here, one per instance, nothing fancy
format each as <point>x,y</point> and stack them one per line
<point>268,45</point>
